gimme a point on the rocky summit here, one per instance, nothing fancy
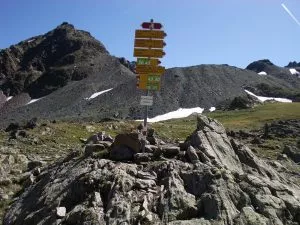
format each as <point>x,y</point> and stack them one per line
<point>67,74</point>
<point>208,179</point>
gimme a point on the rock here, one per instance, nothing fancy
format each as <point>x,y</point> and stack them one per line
<point>61,212</point>
<point>184,146</point>
<point>5,181</point>
<point>94,139</point>
<point>191,152</point>
<point>18,134</point>
<point>292,152</point>
<point>36,171</point>
<point>21,158</point>
<point>131,140</point>
<point>249,217</point>
<point>33,164</point>
<point>9,160</point>
<point>90,129</point>
<point>152,140</point>
<point>108,139</point>
<point>12,127</point>
<point>226,184</point>
<point>31,123</point>
<point>143,157</point>
<point>29,181</point>
<point>256,140</point>
<point>120,153</point>
<point>170,151</point>
<point>282,157</point>
<point>106,144</point>
<point>90,149</point>
<point>150,132</point>
<point>4,197</point>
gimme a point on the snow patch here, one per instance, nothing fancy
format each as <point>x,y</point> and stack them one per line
<point>262,73</point>
<point>97,94</point>
<point>9,98</point>
<point>31,40</point>
<point>212,109</point>
<point>33,100</point>
<point>262,99</point>
<point>294,71</point>
<point>179,113</point>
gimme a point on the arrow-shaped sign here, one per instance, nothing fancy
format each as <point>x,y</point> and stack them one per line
<point>156,53</point>
<point>145,43</point>
<point>147,61</point>
<point>145,69</point>
<point>157,34</point>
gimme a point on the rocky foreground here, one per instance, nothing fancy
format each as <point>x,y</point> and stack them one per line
<point>209,179</point>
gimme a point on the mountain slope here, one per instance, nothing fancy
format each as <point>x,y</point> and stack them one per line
<point>65,67</point>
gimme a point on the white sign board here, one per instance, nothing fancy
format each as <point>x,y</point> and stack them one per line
<point>147,100</point>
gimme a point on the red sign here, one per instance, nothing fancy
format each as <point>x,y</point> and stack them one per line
<point>147,25</point>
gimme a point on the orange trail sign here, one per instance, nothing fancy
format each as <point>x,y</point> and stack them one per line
<point>150,69</point>
<point>145,43</point>
<point>155,53</point>
<point>156,34</point>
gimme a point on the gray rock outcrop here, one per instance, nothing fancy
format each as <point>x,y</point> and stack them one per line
<point>220,182</point>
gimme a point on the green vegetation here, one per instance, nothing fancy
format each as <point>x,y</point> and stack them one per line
<point>246,119</point>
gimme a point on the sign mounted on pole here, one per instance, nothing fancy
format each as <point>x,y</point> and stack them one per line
<point>147,25</point>
<point>150,69</point>
<point>146,100</point>
<point>147,61</point>
<point>156,53</point>
<point>156,34</point>
<point>145,43</point>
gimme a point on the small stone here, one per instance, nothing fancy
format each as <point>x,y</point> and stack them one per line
<point>90,129</point>
<point>170,151</point>
<point>93,148</point>
<point>61,212</point>
<point>33,164</point>
<point>4,197</point>
<point>5,181</point>
<point>36,171</point>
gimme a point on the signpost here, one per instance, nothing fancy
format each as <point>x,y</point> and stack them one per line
<point>147,25</point>
<point>145,43</point>
<point>147,100</point>
<point>148,47</point>
<point>150,69</point>
<point>156,34</point>
<point>147,61</point>
<point>156,53</point>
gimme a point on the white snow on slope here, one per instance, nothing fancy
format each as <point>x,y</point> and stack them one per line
<point>179,113</point>
<point>9,98</point>
<point>261,98</point>
<point>262,73</point>
<point>31,40</point>
<point>212,109</point>
<point>97,94</point>
<point>294,71</point>
<point>33,100</point>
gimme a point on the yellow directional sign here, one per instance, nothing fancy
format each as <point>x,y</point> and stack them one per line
<point>156,53</point>
<point>146,69</point>
<point>148,78</point>
<point>157,34</point>
<point>145,43</point>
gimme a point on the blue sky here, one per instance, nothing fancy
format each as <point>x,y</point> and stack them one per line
<point>234,32</point>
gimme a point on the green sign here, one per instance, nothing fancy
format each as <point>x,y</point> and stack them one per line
<point>143,61</point>
<point>152,78</point>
